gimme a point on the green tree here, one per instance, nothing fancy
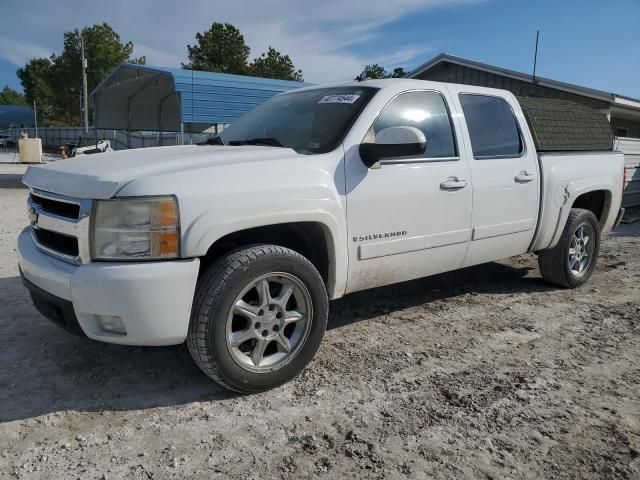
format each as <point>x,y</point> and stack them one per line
<point>398,72</point>
<point>219,49</point>
<point>34,77</point>
<point>56,83</point>
<point>8,96</point>
<point>378,71</point>
<point>103,50</point>
<point>374,71</point>
<point>273,64</point>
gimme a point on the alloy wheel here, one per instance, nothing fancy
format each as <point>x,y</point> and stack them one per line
<point>581,249</point>
<point>269,322</point>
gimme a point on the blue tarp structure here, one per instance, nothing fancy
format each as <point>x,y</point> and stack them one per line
<point>15,116</point>
<point>140,97</point>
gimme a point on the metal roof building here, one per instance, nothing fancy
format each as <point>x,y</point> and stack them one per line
<point>140,97</point>
<point>15,116</point>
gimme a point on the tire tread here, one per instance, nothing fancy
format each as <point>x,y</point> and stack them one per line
<point>208,293</point>
<point>552,261</point>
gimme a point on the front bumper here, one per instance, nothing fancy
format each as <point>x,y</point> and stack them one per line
<point>56,309</point>
<point>152,300</point>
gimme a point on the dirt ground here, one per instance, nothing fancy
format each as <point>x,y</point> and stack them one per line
<point>482,373</point>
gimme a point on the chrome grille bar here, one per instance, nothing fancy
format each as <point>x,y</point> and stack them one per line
<point>74,228</point>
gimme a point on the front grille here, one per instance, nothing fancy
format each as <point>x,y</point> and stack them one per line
<point>56,207</point>
<point>60,225</point>
<point>57,242</point>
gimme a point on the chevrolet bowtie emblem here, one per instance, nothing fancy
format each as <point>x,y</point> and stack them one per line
<point>33,216</point>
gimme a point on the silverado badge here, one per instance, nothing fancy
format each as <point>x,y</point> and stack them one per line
<point>378,236</point>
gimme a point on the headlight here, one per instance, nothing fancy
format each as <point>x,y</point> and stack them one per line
<point>141,228</point>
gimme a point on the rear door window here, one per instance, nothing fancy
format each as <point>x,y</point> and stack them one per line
<point>492,126</point>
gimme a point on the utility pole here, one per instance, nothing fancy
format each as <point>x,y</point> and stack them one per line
<point>85,100</point>
<point>35,117</point>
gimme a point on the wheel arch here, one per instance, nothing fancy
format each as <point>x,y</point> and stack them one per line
<point>595,197</point>
<point>568,178</point>
<point>313,239</point>
<point>556,264</point>
<point>597,201</point>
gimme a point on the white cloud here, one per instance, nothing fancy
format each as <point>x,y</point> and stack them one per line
<point>324,58</point>
<point>324,38</point>
<point>20,53</point>
<point>157,57</point>
<point>321,37</point>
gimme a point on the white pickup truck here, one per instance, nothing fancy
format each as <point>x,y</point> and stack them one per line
<point>236,247</point>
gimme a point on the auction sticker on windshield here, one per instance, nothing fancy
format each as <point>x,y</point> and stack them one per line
<point>339,99</point>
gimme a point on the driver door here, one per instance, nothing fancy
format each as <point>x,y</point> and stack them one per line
<point>408,217</point>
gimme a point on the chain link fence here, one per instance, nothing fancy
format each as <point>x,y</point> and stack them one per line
<point>55,137</point>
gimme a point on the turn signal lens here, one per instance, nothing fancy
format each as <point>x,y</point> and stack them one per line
<point>168,243</point>
<point>167,212</point>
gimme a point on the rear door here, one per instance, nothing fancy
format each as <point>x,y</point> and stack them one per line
<point>504,172</point>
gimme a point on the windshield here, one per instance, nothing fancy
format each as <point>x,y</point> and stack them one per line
<point>310,122</point>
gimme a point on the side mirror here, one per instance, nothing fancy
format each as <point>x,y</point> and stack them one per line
<point>393,142</point>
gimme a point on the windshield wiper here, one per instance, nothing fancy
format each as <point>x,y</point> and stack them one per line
<point>265,141</point>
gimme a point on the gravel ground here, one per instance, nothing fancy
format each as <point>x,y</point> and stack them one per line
<point>482,373</point>
<point>10,156</point>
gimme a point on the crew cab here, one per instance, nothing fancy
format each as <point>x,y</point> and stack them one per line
<point>237,246</point>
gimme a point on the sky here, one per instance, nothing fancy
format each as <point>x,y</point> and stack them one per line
<point>593,43</point>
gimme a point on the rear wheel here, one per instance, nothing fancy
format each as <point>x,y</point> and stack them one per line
<point>572,261</point>
<point>259,316</point>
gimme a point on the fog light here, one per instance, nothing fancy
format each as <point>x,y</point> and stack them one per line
<point>111,324</point>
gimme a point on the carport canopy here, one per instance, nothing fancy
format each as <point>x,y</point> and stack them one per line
<point>140,97</point>
<point>16,116</point>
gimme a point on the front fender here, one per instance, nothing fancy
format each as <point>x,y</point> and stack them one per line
<point>215,223</point>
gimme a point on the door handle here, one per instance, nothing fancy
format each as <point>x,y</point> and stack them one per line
<point>453,184</point>
<point>524,177</point>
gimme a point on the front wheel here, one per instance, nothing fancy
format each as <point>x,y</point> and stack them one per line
<point>572,261</point>
<point>258,318</point>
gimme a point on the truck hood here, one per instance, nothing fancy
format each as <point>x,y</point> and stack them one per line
<point>100,176</point>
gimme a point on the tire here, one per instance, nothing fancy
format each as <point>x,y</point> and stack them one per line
<point>240,330</point>
<point>558,265</point>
